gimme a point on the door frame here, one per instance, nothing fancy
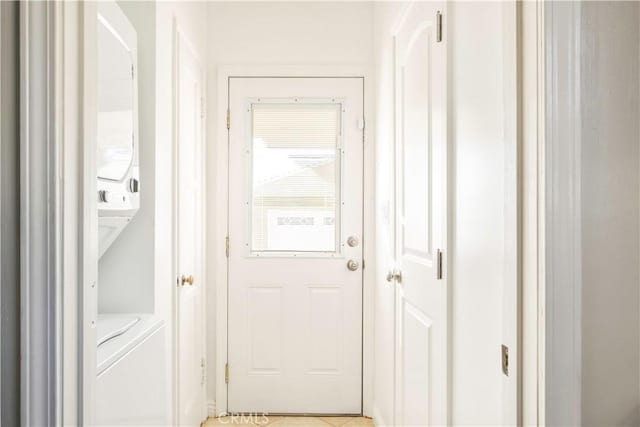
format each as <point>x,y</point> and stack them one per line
<point>220,217</point>
<point>531,92</point>
<point>57,389</point>
<point>181,41</point>
<point>525,182</point>
<point>512,269</point>
<point>560,321</point>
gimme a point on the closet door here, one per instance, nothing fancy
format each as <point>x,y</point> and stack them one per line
<point>189,240</point>
<point>421,287</point>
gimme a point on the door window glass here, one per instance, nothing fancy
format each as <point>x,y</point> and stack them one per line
<point>295,177</point>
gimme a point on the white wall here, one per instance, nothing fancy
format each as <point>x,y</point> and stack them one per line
<point>474,35</point>
<point>273,33</point>
<point>477,169</point>
<point>9,217</point>
<point>609,88</point>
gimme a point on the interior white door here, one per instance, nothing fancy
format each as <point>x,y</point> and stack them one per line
<point>189,150</point>
<point>295,260</point>
<point>421,296</point>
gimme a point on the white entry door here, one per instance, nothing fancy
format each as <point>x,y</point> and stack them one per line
<point>189,219</point>
<point>295,259</point>
<point>421,290</point>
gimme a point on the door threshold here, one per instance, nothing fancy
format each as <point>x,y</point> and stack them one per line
<point>294,414</point>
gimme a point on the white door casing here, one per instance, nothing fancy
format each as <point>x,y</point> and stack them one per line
<point>421,296</point>
<point>294,308</point>
<point>189,232</point>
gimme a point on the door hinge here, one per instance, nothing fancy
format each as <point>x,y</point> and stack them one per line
<point>226,246</point>
<point>438,26</point>
<point>226,373</point>
<point>505,360</point>
<point>228,119</point>
<point>132,73</point>
<point>438,264</point>
<point>202,372</point>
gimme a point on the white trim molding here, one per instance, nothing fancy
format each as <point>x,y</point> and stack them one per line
<point>39,231</point>
<point>532,221</point>
<point>512,293</point>
<point>562,216</point>
<point>10,216</point>
<point>54,215</point>
<point>211,408</point>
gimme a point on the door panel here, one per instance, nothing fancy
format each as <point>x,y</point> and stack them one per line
<point>421,297</point>
<point>415,366</point>
<point>295,309</point>
<point>265,330</point>
<point>190,327</point>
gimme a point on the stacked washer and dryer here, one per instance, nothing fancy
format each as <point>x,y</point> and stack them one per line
<point>130,383</point>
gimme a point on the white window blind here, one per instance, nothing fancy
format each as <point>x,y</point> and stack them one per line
<point>295,177</point>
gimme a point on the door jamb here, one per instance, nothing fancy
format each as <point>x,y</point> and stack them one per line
<point>550,333</point>
<point>561,273</point>
<point>512,272</point>
<point>525,214</point>
<point>220,216</point>
<point>57,273</point>
<point>531,98</point>
<point>39,233</point>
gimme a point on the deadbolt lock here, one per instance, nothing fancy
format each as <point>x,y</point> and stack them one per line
<point>353,241</point>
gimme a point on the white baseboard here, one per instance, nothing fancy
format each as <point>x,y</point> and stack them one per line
<point>378,421</point>
<point>211,408</point>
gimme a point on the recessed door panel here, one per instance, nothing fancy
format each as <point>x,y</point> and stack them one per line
<point>325,330</point>
<point>415,366</point>
<point>416,145</point>
<point>264,312</point>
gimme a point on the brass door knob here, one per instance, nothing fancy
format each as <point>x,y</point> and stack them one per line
<point>394,274</point>
<point>186,279</point>
<point>390,276</point>
<point>398,276</point>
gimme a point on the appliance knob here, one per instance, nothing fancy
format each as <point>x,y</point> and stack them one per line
<point>134,185</point>
<point>104,196</point>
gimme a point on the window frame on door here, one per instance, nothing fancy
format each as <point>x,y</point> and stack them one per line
<point>339,237</point>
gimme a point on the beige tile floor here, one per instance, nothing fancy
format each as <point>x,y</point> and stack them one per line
<point>277,421</point>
